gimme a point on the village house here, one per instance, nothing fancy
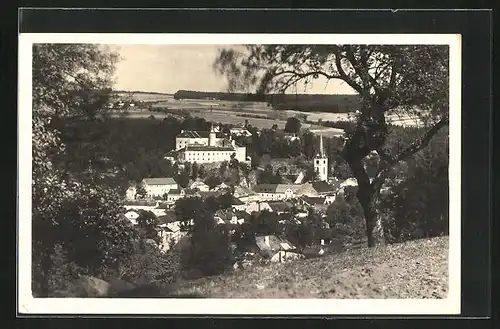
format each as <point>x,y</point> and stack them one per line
<point>228,217</point>
<point>146,206</point>
<point>175,194</point>
<point>240,131</point>
<point>257,207</point>
<point>326,188</point>
<point>170,230</point>
<point>131,193</point>
<point>283,191</point>
<point>132,215</point>
<point>317,203</point>
<point>221,187</point>
<point>279,207</point>
<point>157,187</point>
<point>277,249</point>
<point>201,186</point>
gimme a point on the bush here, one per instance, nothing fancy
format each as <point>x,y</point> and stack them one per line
<point>149,265</point>
<point>345,216</point>
<point>209,252</point>
<point>418,206</point>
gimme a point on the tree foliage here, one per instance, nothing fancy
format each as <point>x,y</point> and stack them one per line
<point>389,79</point>
<point>72,209</point>
<point>292,125</point>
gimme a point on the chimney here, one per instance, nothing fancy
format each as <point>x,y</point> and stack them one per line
<point>233,143</point>
<point>246,123</point>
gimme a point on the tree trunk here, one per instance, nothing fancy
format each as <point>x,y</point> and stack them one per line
<point>367,196</point>
<point>374,225</point>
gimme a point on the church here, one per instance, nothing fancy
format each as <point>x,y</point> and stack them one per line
<point>321,162</point>
<point>207,147</point>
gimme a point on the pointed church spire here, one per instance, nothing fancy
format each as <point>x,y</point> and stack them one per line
<point>322,151</point>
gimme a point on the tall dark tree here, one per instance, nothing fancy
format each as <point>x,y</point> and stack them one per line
<point>71,209</point>
<point>292,125</point>
<point>195,171</point>
<point>388,79</point>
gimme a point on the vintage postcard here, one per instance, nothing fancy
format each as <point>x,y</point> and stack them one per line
<point>254,174</point>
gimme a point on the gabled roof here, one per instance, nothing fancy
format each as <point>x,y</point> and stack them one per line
<point>276,188</point>
<point>243,191</point>
<point>323,187</point>
<point>242,214</point>
<point>275,243</point>
<point>169,217</point>
<point>279,206</point>
<point>140,203</point>
<point>159,181</point>
<point>198,183</point>
<point>197,134</point>
<point>206,148</point>
<point>314,200</point>
<point>236,202</point>
<point>174,192</point>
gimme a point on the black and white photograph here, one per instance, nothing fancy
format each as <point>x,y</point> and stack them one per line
<point>239,174</point>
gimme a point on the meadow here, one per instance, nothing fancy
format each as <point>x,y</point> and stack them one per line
<point>413,269</point>
<point>258,114</point>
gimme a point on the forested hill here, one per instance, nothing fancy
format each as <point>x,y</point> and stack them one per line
<point>304,102</point>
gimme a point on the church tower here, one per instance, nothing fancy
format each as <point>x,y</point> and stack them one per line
<point>212,136</point>
<point>321,161</point>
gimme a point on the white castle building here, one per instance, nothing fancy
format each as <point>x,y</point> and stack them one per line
<point>207,147</point>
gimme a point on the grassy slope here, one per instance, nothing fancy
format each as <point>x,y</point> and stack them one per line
<point>416,269</point>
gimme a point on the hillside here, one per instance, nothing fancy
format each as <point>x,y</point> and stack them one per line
<point>416,269</point>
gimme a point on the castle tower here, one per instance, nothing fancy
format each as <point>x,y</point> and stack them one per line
<point>321,161</point>
<point>211,136</point>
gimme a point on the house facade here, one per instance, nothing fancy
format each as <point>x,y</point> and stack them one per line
<point>276,192</point>
<point>157,187</point>
<point>207,147</point>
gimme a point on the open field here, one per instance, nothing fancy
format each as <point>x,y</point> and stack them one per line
<point>415,269</point>
<point>258,114</point>
<point>144,96</point>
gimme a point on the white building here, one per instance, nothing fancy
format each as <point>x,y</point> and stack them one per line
<point>131,192</point>
<point>157,187</point>
<point>200,186</point>
<point>283,191</point>
<point>321,162</point>
<point>191,137</point>
<point>207,147</point>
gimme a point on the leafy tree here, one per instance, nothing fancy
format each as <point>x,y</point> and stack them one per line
<point>71,208</point>
<point>147,223</point>
<point>195,171</point>
<point>141,191</point>
<point>213,181</point>
<point>292,125</point>
<point>388,79</point>
<point>186,209</point>
<point>209,251</point>
<point>345,217</point>
<point>225,201</point>
<point>202,171</point>
<point>265,222</point>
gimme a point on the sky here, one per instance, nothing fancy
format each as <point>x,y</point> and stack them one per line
<point>168,68</point>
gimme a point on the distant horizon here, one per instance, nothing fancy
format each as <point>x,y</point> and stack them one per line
<point>209,91</point>
<point>167,68</point>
